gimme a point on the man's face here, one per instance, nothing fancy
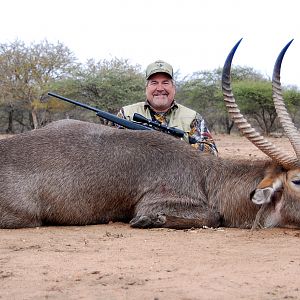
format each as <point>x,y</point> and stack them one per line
<point>160,92</point>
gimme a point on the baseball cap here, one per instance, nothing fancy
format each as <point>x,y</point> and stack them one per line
<point>159,66</point>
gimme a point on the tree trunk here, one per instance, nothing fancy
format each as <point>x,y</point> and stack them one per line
<point>10,122</point>
<point>34,119</point>
<point>229,125</point>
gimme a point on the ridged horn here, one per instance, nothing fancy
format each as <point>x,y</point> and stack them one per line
<point>283,115</point>
<point>245,128</point>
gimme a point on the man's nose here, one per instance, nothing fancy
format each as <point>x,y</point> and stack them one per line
<point>159,86</point>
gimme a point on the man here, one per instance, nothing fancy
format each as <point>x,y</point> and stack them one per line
<point>160,106</point>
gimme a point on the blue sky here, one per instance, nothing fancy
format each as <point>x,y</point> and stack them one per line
<point>192,35</point>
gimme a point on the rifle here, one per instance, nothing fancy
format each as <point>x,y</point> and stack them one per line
<point>171,130</point>
<point>141,123</point>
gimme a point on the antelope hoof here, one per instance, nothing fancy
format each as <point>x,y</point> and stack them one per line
<point>148,221</point>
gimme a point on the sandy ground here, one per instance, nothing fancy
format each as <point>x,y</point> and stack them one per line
<point>117,262</point>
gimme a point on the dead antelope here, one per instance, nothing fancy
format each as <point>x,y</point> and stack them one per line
<point>78,173</point>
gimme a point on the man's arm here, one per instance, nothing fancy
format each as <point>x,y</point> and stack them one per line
<point>200,133</point>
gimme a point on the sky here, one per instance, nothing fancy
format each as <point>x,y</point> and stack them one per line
<point>192,35</point>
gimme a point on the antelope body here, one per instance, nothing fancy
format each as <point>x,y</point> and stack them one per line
<point>78,173</point>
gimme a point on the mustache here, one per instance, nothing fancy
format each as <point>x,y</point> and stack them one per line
<point>160,94</point>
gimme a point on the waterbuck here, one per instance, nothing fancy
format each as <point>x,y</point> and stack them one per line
<point>78,173</point>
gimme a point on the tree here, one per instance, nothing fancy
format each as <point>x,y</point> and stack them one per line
<point>199,93</point>
<point>291,95</point>
<point>202,92</point>
<point>111,84</point>
<point>27,71</point>
<point>255,100</point>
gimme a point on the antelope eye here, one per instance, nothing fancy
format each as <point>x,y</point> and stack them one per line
<point>296,181</point>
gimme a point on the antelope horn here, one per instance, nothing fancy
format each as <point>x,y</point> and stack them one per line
<point>245,128</point>
<point>283,115</point>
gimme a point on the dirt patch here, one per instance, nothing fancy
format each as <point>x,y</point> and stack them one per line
<point>115,261</point>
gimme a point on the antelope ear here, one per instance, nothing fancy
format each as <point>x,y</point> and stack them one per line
<point>266,190</point>
<point>262,196</point>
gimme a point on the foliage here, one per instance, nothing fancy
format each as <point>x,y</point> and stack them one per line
<point>111,84</point>
<point>27,71</point>
<point>202,92</point>
<point>199,93</point>
<point>255,101</point>
<point>291,97</point>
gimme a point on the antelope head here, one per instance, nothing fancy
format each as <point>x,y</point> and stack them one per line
<point>280,188</point>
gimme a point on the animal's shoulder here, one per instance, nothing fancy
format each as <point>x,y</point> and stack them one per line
<point>76,126</point>
<point>66,123</point>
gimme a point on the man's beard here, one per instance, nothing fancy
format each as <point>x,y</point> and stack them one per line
<point>160,102</point>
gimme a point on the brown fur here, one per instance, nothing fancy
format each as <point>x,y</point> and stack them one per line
<point>78,173</point>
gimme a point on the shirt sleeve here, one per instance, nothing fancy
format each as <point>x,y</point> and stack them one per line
<point>200,137</point>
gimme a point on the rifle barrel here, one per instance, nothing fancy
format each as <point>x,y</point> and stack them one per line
<point>73,102</point>
<point>108,116</point>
